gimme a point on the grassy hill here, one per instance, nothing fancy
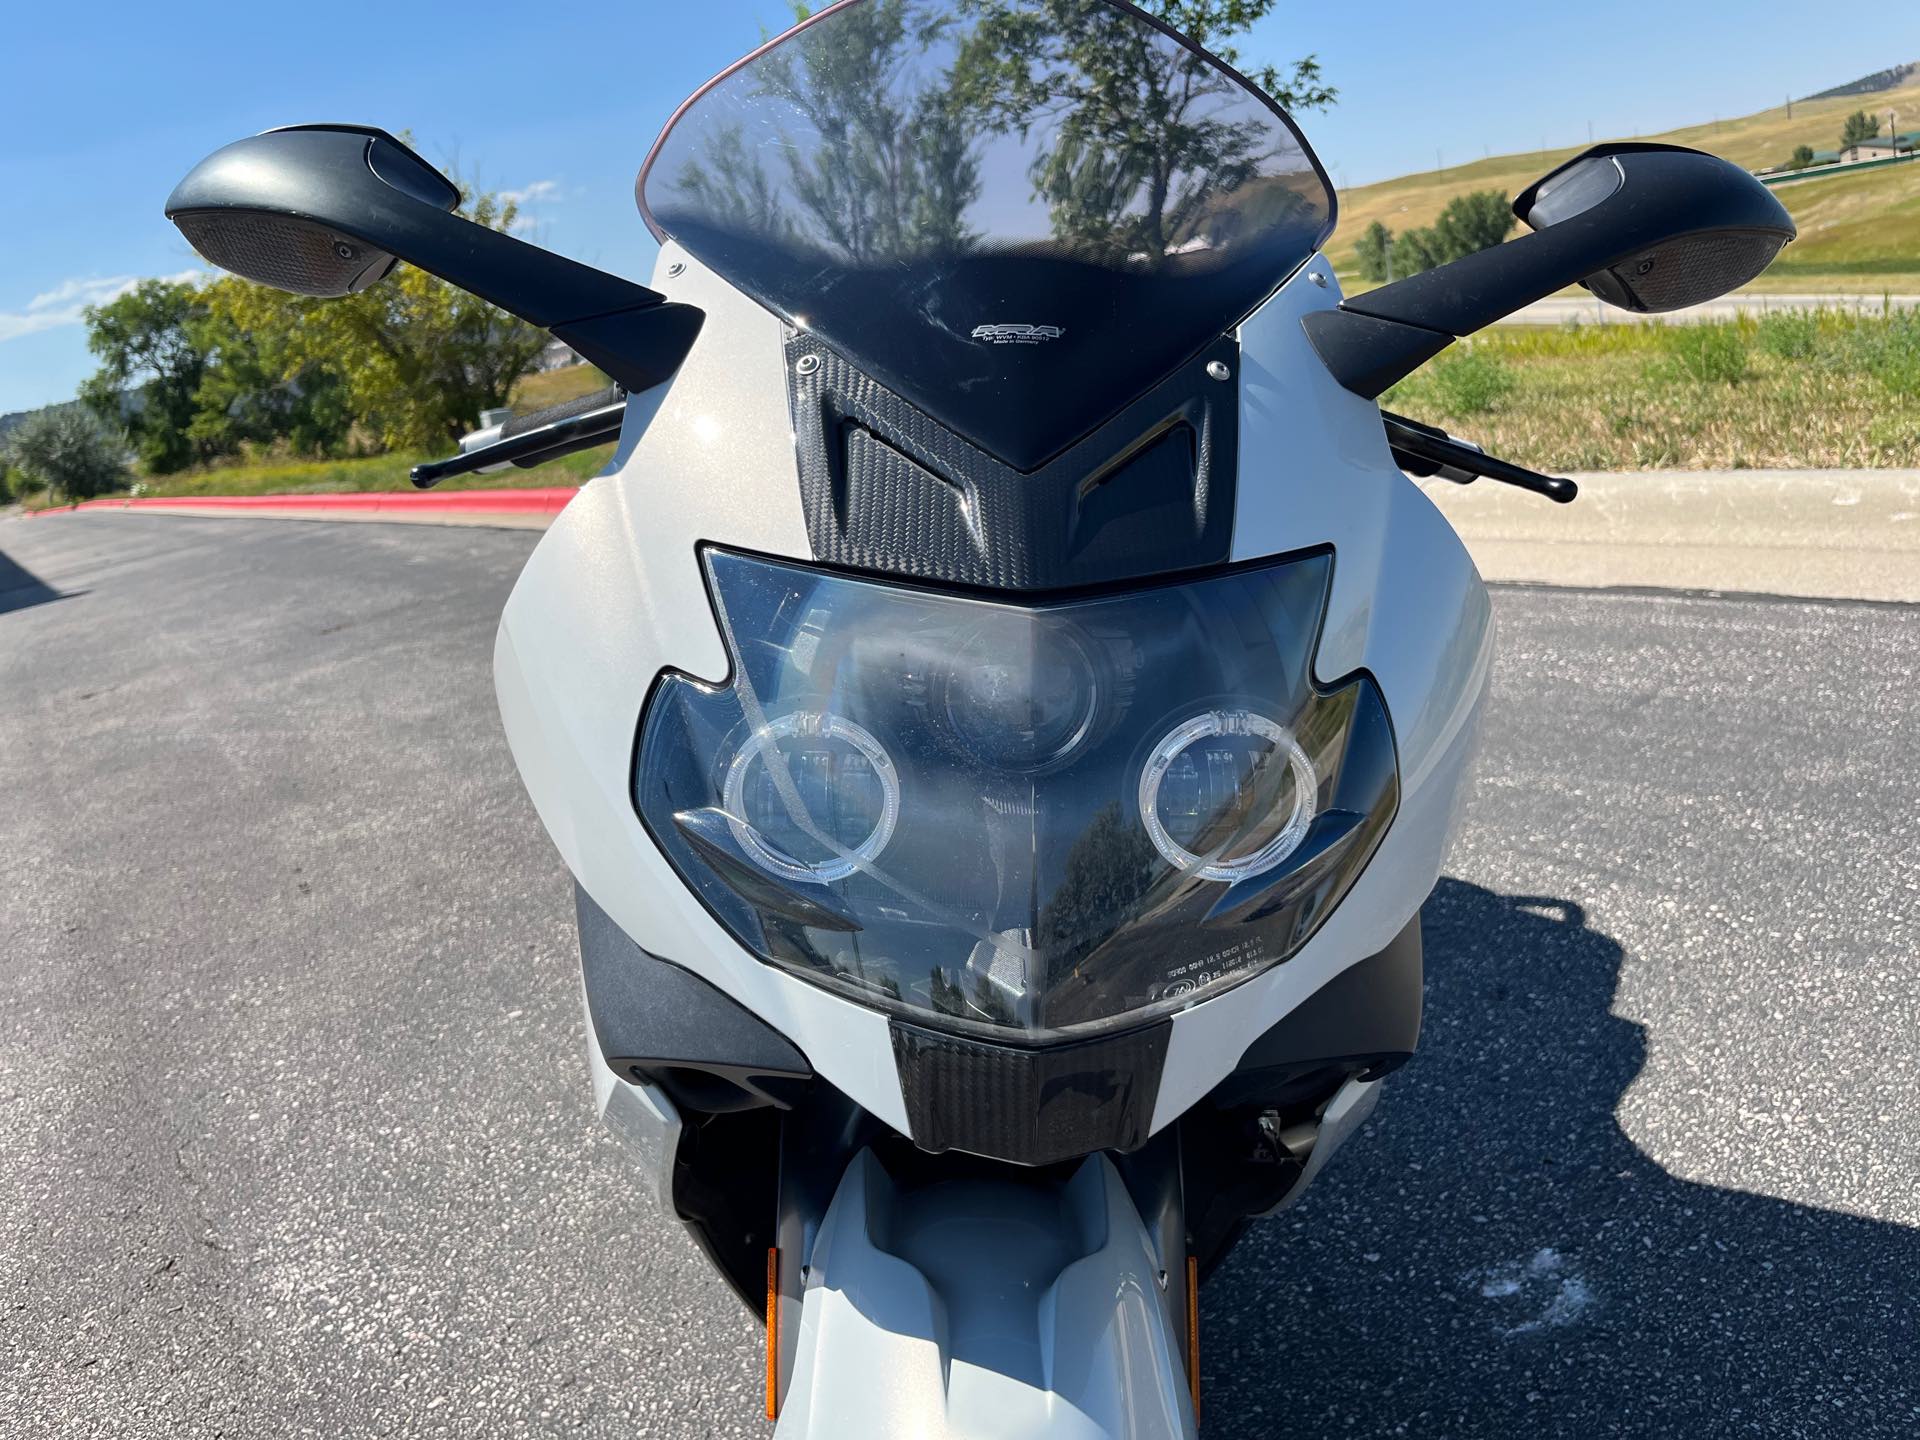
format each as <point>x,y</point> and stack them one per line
<point>1857,233</point>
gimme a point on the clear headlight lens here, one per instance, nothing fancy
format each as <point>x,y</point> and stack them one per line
<point>1025,821</point>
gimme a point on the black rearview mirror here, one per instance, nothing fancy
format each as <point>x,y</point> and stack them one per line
<point>257,208</point>
<point>327,210</point>
<point>1734,224</point>
<point>1648,228</point>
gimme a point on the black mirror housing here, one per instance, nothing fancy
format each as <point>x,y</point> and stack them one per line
<point>327,210</point>
<point>1736,225</point>
<point>222,207</point>
<point>1646,227</point>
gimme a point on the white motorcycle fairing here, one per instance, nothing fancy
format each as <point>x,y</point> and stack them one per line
<point>614,595</point>
<point>978,1308</point>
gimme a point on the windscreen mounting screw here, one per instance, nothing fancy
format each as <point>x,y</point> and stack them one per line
<point>1218,370</point>
<point>678,267</point>
<point>806,365</point>
<point>1318,277</point>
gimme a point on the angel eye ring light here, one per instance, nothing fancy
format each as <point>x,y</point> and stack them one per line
<point>1203,727</point>
<point>760,745</point>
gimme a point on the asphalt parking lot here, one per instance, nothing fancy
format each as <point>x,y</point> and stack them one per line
<point>295,1139</point>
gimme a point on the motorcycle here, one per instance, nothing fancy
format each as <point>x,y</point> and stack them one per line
<point>1005,702</point>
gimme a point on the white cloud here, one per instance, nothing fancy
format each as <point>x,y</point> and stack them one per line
<point>66,303</point>
<point>532,194</point>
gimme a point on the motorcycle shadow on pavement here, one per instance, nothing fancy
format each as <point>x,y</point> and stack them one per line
<point>1493,1256</point>
<point>20,587</point>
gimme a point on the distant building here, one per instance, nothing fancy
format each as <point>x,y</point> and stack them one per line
<point>557,356</point>
<point>1882,147</point>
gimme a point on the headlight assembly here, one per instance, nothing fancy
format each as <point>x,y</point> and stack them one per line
<point>1023,822</point>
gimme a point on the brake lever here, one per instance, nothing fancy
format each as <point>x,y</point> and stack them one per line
<point>1427,450</point>
<point>582,429</point>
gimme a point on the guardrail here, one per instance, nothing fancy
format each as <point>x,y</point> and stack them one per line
<point>1822,172</point>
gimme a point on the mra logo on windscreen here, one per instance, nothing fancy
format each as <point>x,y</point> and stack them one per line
<point>1016,334</point>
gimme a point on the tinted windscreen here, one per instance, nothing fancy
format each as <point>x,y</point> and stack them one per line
<point>1018,214</point>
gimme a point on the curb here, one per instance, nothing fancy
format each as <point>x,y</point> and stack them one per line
<point>388,504</point>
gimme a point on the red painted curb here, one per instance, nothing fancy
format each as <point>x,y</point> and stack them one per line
<point>452,502</point>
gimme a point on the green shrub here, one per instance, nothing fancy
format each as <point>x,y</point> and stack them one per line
<point>1888,350</point>
<point>1789,336</point>
<point>1470,382</point>
<point>1709,354</point>
<point>67,450</point>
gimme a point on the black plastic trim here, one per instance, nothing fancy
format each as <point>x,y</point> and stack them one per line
<point>1370,1012</point>
<point>542,436</point>
<point>651,1017</point>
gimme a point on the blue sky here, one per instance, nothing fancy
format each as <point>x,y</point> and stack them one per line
<point>104,106</point>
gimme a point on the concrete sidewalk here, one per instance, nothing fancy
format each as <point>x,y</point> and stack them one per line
<point>1583,310</point>
<point>1829,534</point>
<point>1825,534</point>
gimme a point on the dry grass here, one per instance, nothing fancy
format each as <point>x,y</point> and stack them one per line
<point>1788,392</point>
<point>537,391</point>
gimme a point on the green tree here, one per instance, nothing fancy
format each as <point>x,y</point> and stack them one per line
<point>152,356</point>
<point>1802,157</point>
<point>69,451</point>
<point>1375,253</point>
<point>1215,25</point>
<point>1144,135</point>
<point>1474,222</point>
<point>894,168</point>
<point>1470,223</point>
<point>1418,251</point>
<point>252,392</point>
<point>416,358</point>
<point>1860,126</point>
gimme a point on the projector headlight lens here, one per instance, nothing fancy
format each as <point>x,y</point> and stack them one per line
<point>1021,696</point>
<point>1043,821</point>
<point>1235,784</point>
<point>816,786</point>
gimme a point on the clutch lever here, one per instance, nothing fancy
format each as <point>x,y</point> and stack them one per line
<point>1426,450</point>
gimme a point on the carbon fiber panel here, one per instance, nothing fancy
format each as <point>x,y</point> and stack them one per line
<point>888,489</point>
<point>1029,1107</point>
